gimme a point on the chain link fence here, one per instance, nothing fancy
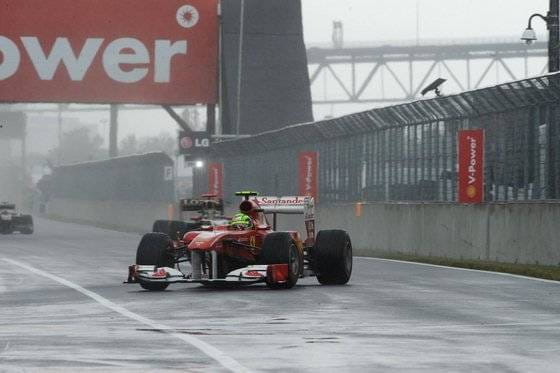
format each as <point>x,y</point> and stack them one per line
<point>408,152</point>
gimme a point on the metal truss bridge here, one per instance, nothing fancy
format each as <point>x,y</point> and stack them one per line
<point>393,74</point>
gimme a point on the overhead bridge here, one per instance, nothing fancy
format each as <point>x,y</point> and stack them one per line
<point>392,74</point>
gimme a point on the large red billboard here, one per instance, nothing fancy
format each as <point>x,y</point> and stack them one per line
<point>308,174</point>
<point>471,166</point>
<point>216,179</point>
<point>108,51</point>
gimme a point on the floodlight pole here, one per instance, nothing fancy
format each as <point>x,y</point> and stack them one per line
<point>553,26</point>
<point>240,66</point>
<point>113,131</point>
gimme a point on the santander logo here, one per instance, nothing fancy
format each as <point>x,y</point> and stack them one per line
<point>124,60</point>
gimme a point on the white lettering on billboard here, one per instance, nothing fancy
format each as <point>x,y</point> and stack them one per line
<point>61,52</point>
<point>10,58</point>
<point>165,50</point>
<point>216,184</point>
<point>202,143</point>
<point>125,60</point>
<point>472,168</point>
<point>309,174</point>
<point>114,56</point>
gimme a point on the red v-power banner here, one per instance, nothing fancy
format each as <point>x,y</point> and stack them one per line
<point>109,51</point>
<point>216,179</point>
<point>471,166</point>
<point>309,174</point>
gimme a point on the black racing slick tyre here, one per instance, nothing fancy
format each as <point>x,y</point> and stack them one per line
<point>153,249</point>
<point>175,229</point>
<point>280,248</point>
<point>27,221</point>
<point>332,257</point>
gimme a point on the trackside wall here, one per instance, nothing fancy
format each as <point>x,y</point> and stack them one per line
<point>126,193</point>
<point>507,232</point>
<point>132,216</point>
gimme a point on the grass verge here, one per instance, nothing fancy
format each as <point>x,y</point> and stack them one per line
<point>530,270</point>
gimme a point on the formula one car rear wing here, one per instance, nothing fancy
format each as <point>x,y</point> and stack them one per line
<point>202,204</point>
<point>300,205</point>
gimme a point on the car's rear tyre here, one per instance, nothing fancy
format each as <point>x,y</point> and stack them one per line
<point>27,221</point>
<point>332,257</point>
<point>175,229</point>
<point>280,248</point>
<point>153,249</point>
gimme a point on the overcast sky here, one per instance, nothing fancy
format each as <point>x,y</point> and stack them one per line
<point>366,20</point>
<point>376,21</point>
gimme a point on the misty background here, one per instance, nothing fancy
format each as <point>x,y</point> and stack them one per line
<point>72,137</point>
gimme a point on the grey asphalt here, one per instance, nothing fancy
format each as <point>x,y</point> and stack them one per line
<point>391,317</point>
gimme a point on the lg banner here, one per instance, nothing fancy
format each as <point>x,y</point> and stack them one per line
<point>107,51</point>
<point>194,144</point>
<point>308,174</point>
<point>471,166</point>
<point>216,179</point>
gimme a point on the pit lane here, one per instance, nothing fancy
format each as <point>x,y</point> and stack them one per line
<point>392,316</point>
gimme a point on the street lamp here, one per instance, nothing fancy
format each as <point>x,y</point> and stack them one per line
<point>529,36</point>
<point>551,19</point>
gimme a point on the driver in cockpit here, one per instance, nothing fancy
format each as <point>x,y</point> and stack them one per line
<point>241,220</point>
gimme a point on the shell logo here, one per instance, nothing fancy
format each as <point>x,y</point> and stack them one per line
<point>187,16</point>
<point>471,191</point>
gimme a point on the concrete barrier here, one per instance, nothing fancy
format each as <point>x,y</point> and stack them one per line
<point>527,232</point>
<point>524,232</point>
<point>121,215</point>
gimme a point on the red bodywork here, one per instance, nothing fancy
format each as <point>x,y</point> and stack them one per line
<point>234,254</point>
<point>218,238</point>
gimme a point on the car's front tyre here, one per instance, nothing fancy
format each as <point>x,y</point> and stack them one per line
<point>280,248</point>
<point>153,249</point>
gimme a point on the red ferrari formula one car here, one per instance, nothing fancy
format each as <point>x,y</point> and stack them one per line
<point>241,255</point>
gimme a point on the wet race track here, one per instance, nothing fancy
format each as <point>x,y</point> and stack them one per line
<point>63,307</point>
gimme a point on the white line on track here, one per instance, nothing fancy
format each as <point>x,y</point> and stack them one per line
<point>226,361</point>
<point>463,269</point>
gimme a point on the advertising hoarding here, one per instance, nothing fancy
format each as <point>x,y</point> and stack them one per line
<point>106,51</point>
<point>216,179</point>
<point>308,174</point>
<point>194,144</point>
<point>471,166</point>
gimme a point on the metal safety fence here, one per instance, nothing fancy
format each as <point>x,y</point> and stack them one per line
<point>408,152</point>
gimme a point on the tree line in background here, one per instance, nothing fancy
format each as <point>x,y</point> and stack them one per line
<point>80,144</point>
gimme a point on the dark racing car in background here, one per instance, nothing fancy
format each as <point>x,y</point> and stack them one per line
<point>210,210</point>
<point>12,221</point>
<point>240,255</point>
